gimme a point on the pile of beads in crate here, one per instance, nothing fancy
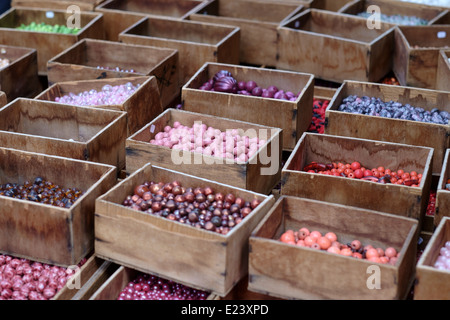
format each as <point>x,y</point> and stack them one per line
<point>43,27</point>
<point>150,287</point>
<point>108,95</point>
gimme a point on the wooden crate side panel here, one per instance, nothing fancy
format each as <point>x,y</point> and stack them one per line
<point>443,71</point>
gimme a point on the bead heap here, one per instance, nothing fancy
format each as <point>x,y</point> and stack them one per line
<point>209,141</point>
<point>115,69</point>
<point>150,287</point>
<point>22,279</point>
<point>198,207</point>
<point>43,27</point>
<point>397,19</point>
<point>42,191</point>
<point>376,107</point>
<point>355,170</point>
<point>329,242</point>
<point>443,260</point>
<point>109,95</point>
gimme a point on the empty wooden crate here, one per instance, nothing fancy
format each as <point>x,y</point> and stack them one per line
<point>433,283</point>
<point>293,117</point>
<point>261,173</point>
<point>257,22</point>
<point>91,59</point>
<point>173,250</point>
<point>293,272</point>
<point>375,127</point>
<point>82,133</point>
<point>42,232</point>
<point>142,106</point>
<point>335,47</point>
<point>47,44</point>
<point>416,54</point>
<point>19,78</point>
<point>196,42</point>
<point>326,149</point>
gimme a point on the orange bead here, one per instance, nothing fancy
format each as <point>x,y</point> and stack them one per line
<point>315,234</point>
<point>324,243</point>
<point>346,252</point>
<point>309,241</point>
<point>390,252</point>
<point>334,249</point>
<point>372,252</point>
<point>384,260</point>
<point>332,236</point>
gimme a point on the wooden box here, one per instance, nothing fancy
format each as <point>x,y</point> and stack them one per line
<point>84,5</point>
<point>442,194</point>
<point>112,287</point>
<point>45,233</point>
<point>250,175</point>
<point>81,62</point>
<point>257,22</point>
<point>19,78</point>
<point>293,272</point>
<point>323,148</point>
<point>121,14</point>
<point>392,130</point>
<point>196,42</point>
<point>391,8</point>
<point>432,283</point>
<point>416,54</point>
<point>330,5</point>
<point>47,44</point>
<point>443,71</point>
<point>173,9</point>
<point>293,117</point>
<point>169,249</point>
<point>52,128</point>
<point>87,279</point>
<point>141,107</point>
<point>335,47</point>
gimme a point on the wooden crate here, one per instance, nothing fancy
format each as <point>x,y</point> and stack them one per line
<point>84,5</point>
<point>431,283</point>
<point>387,129</point>
<point>47,44</point>
<point>172,9</point>
<point>335,47</point>
<point>20,78</point>
<point>443,71</point>
<point>80,62</point>
<point>330,5</point>
<point>87,279</point>
<point>112,287</point>
<point>416,54</point>
<point>389,7</point>
<point>52,128</point>
<point>442,194</point>
<point>249,175</point>
<point>410,202</point>
<point>46,233</point>
<point>141,107</point>
<point>293,272</point>
<point>258,25</point>
<point>293,117</point>
<point>3,99</point>
<point>159,246</point>
<point>121,14</point>
<point>196,42</point>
